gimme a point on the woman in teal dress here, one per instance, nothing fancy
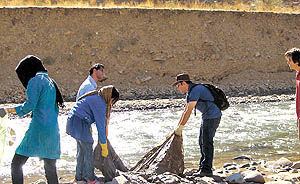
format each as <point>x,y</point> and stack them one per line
<point>42,139</point>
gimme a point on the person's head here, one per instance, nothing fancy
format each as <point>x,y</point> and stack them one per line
<point>110,94</point>
<point>293,58</point>
<point>182,82</point>
<point>97,72</point>
<point>28,67</point>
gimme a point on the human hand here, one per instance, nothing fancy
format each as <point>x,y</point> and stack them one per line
<point>2,112</point>
<point>178,130</point>
<point>104,149</point>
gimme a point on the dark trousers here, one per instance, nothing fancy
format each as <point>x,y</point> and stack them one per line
<point>206,141</point>
<point>85,161</point>
<point>17,171</point>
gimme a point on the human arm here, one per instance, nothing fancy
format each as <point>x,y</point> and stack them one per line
<point>106,126</point>
<point>298,119</point>
<point>99,110</point>
<point>33,92</point>
<point>298,102</point>
<point>185,116</point>
<point>298,127</point>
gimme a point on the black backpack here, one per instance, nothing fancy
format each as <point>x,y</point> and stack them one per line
<point>220,98</point>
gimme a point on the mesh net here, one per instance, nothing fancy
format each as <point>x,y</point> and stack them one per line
<point>166,157</point>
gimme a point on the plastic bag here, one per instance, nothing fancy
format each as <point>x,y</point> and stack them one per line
<point>3,130</point>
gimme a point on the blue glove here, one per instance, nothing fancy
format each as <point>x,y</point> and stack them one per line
<point>2,112</point>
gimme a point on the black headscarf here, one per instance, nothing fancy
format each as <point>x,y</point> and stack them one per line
<point>27,69</point>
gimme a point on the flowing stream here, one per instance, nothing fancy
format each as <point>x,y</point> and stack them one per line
<point>265,131</point>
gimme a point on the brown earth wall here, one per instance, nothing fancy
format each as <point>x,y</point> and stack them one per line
<point>144,49</point>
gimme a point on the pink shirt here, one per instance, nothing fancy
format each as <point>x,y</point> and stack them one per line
<point>298,94</point>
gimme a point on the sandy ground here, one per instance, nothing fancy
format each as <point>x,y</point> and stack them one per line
<point>144,49</point>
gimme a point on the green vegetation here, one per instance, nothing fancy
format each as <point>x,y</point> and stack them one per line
<point>282,6</point>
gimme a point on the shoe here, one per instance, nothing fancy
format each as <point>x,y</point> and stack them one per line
<point>94,182</point>
<point>78,182</point>
<point>203,173</point>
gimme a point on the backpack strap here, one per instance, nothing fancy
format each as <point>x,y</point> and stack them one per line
<point>199,100</point>
<point>188,95</point>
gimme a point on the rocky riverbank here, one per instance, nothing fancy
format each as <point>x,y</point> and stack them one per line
<point>242,170</point>
<point>130,105</point>
<point>151,104</point>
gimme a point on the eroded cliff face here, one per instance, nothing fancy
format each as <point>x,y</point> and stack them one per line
<point>144,49</point>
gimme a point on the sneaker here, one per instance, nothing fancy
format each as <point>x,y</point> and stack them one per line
<point>94,182</point>
<point>78,182</point>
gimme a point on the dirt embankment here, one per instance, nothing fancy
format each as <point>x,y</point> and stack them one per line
<point>144,49</point>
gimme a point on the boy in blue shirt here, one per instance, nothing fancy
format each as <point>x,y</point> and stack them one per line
<point>199,97</point>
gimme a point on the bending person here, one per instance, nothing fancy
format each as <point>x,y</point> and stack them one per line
<point>42,138</point>
<point>199,97</point>
<point>93,107</point>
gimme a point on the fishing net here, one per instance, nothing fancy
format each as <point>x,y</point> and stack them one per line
<point>109,165</point>
<point>166,157</point>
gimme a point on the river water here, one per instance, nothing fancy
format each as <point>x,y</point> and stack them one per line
<point>265,131</point>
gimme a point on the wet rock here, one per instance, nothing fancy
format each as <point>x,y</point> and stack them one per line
<point>254,163</point>
<point>296,165</point>
<point>40,182</point>
<point>232,167</point>
<point>228,165</point>
<point>293,177</point>
<point>293,171</point>
<point>189,172</point>
<point>280,182</point>
<point>235,178</point>
<point>286,169</point>
<point>168,179</point>
<point>131,178</point>
<point>253,168</point>
<point>119,180</point>
<point>219,171</point>
<point>270,164</point>
<point>245,165</point>
<point>281,163</point>
<point>244,157</point>
<point>253,176</point>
